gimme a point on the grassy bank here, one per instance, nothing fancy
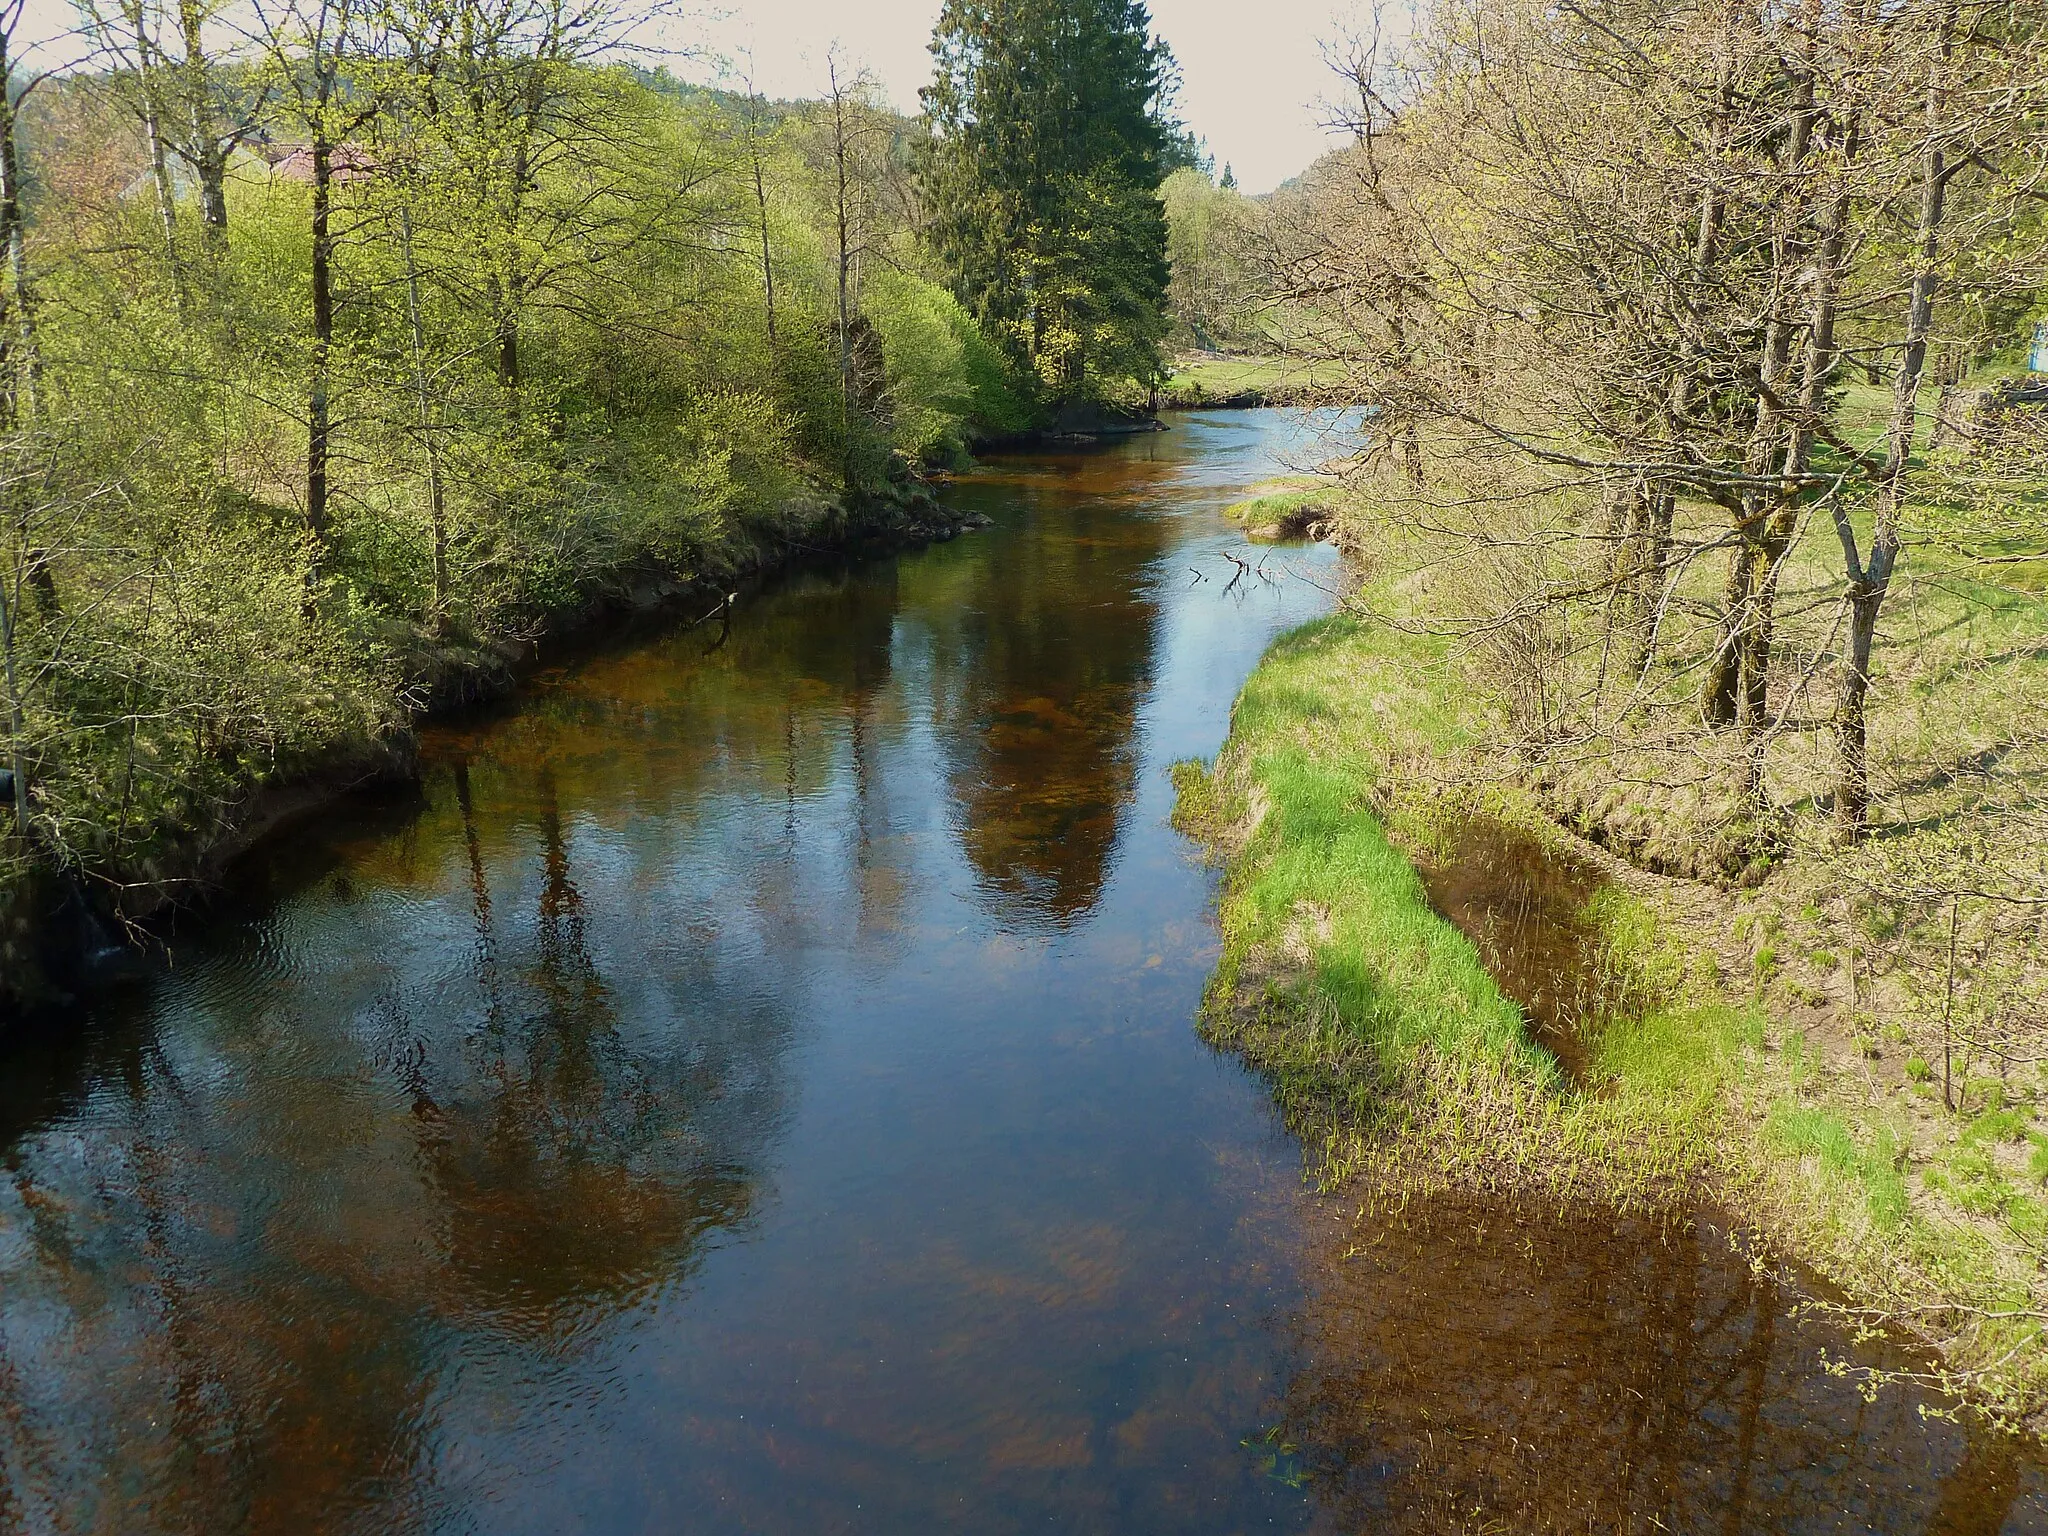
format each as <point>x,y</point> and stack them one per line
<point>1291,507</point>
<point>1400,1060</point>
<point>1211,379</point>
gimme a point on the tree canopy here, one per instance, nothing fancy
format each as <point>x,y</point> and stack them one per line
<point>340,361</point>
<point>1050,133</point>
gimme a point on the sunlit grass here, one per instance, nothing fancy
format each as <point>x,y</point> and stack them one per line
<point>1199,378</point>
<point>1381,1030</point>
<point>1393,1052</point>
<point>1285,508</point>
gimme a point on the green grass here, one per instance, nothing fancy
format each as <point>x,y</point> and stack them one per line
<point>1395,1055</point>
<point>1386,1040</point>
<point>1284,508</point>
<point>1196,379</point>
<point>1864,1170</point>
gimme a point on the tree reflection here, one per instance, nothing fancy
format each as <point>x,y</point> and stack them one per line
<point>553,1154</point>
<point>231,1283</point>
<point>1468,1365</point>
<point>1041,672</point>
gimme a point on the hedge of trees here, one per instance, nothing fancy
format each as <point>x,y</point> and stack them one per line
<point>343,342</point>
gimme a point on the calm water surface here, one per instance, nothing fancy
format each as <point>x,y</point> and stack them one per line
<point>757,1091</point>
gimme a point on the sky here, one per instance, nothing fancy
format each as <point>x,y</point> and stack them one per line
<point>1252,73</point>
<point>1252,70</point>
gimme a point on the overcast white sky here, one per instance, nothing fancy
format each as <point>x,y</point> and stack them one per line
<point>1252,70</point>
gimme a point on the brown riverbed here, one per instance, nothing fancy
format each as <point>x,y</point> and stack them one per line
<point>1525,908</point>
<point>755,1089</point>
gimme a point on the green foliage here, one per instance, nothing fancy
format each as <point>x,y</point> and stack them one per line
<point>1206,227</point>
<point>1046,217</point>
<point>549,360</point>
<point>682,484</point>
<point>945,381</point>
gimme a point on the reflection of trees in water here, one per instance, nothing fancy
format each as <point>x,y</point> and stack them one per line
<point>1466,1366</point>
<point>795,708</point>
<point>573,1169</point>
<point>239,1259</point>
<point>1039,674</point>
<point>496,1063</point>
<point>164,1368</point>
<point>826,653</point>
<point>247,1237</point>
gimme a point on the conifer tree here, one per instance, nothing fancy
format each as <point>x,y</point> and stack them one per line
<point>1050,137</point>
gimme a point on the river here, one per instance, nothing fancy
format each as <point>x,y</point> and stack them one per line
<point>753,1087</point>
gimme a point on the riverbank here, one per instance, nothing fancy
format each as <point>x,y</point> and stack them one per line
<point>60,934</point>
<point>1290,507</point>
<point>1681,1079</point>
<point>1211,381</point>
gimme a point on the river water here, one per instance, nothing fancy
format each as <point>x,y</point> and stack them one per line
<point>755,1089</point>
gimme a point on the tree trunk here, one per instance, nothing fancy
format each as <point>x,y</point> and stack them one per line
<point>1870,583</point>
<point>1410,432</point>
<point>30,365</point>
<point>1738,680</point>
<point>845,333</point>
<point>1759,632</point>
<point>1724,672</point>
<point>1653,545</point>
<point>24,377</point>
<point>1852,768</point>
<point>1938,433</point>
<point>437,502</point>
<point>1824,273</point>
<point>166,199</point>
<point>1705,252</point>
<point>42,582</point>
<point>209,157</point>
<point>842,218</point>
<point>213,197</point>
<point>148,75</point>
<point>508,339</point>
<point>317,425</point>
<point>761,208</point>
<point>17,726</point>
<point>20,381</point>
<point>513,291</point>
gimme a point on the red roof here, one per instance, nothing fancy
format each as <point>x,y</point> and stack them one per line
<point>345,162</point>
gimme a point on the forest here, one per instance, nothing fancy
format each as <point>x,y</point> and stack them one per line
<point>1642,300</point>
<point>350,348</point>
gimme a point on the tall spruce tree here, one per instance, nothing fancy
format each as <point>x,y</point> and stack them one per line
<point>1049,138</point>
